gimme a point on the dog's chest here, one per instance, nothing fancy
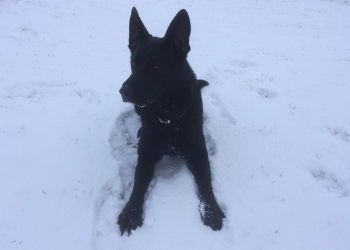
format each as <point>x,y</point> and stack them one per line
<point>168,112</point>
<point>172,133</point>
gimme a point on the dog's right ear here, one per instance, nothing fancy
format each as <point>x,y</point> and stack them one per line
<point>137,30</point>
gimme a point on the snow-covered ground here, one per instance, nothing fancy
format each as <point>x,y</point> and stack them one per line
<point>277,126</point>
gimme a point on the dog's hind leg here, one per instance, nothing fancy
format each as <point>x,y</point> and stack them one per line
<point>198,163</point>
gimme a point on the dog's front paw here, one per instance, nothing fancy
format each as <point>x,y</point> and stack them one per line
<point>211,215</point>
<point>130,218</point>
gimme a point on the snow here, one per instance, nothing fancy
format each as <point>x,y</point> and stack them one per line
<point>277,126</point>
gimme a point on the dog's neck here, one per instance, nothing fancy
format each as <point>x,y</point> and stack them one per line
<point>170,107</point>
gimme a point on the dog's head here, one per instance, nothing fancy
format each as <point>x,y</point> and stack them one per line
<point>157,64</point>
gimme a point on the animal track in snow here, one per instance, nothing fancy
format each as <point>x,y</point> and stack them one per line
<point>88,96</point>
<point>124,141</point>
<point>225,114</point>
<point>215,76</point>
<point>340,133</point>
<point>330,181</point>
<point>242,63</point>
<point>211,145</point>
<point>34,92</point>
<point>212,78</point>
<point>262,91</point>
<point>267,93</point>
<point>39,91</point>
<point>216,100</point>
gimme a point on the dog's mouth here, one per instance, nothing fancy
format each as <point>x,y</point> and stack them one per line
<point>128,95</point>
<point>137,104</point>
<point>140,105</point>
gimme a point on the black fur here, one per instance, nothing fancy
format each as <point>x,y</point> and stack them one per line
<point>167,96</point>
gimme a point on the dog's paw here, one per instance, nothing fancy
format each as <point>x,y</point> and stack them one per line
<point>211,215</point>
<point>130,218</point>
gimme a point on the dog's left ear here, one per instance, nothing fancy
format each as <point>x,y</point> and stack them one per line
<point>178,34</point>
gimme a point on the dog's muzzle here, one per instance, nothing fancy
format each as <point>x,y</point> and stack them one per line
<point>127,93</point>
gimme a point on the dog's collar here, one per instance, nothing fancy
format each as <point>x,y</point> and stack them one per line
<point>168,121</point>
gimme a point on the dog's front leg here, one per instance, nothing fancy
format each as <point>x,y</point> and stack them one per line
<point>198,163</point>
<point>132,215</point>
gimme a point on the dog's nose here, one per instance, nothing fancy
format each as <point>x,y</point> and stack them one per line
<point>126,92</point>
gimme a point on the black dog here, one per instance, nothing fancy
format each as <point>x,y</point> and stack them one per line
<point>167,96</point>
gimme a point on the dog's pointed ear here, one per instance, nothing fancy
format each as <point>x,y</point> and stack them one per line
<point>137,30</point>
<point>178,34</point>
